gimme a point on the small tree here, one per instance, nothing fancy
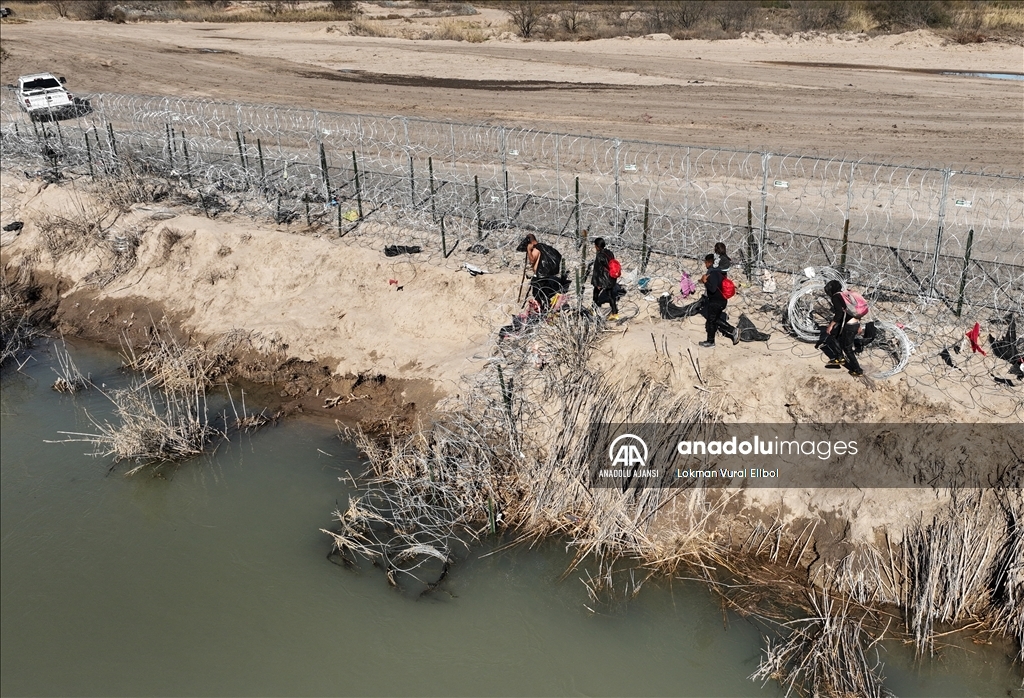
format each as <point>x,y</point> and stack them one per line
<point>61,7</point>
<point>525,15</point>
<point>687,13</point>
<point>572,15</point>
<point>829,15</point>
<point>733,14</point>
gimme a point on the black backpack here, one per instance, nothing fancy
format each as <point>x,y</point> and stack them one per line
<point>550,260</point>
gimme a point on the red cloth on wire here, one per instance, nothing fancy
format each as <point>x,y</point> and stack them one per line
<point>972,335</point>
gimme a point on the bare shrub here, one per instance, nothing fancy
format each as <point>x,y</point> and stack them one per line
<point>64,235</point>
<point>686,14</point>
<point>732,15</point>
<point>171,363</point>
<point>573,15</point>
<point>908,14</point>
<point>61,7</point>
<point>830,15</point>
<point>152,426</point>
<point>525,15</point>
<point>17,331</point>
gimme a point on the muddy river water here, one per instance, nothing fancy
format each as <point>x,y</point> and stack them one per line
<point>215,581</point>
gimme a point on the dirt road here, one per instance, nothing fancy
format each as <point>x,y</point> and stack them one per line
<point>882,99</point>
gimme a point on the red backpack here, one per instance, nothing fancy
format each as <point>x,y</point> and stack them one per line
<point>614,268</point>
<point>728,288</point>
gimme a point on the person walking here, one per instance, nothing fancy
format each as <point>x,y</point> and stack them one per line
<point>842,331</point>
<point>715,303</point>
<point>603,279</point>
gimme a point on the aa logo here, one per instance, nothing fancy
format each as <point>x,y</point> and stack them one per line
<point>628,451</point>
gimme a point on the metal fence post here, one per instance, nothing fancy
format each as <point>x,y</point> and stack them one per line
<point>188,165</point>
<point>618,196</point>
<point>749,261</point>
<point>846,223</point>
<point>433,207</point>
<point>765,157</point>
<point>88,155</point>
<point>963,273</point>
<point>259,149</point>
<point>170,146</point>
<point>946,176</point>
<point>325,174</point>
<point>479,218</point>
<point>645,253</point>
<point>359,191</point>
<point>504,170</point>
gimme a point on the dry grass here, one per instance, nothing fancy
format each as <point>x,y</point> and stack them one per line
<point>371,27</point>
<point>454,30</point>
<point>162,416</point>
<point>17,331</point>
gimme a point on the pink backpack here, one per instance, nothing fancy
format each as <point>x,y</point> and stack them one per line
<point>856,305</point>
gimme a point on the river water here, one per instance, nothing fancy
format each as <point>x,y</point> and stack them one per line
<point>214,581</point>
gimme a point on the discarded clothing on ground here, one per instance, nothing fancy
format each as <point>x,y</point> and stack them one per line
<point>671,311</point>
<point>749,332</point>
<point>12,227</point>
<point>530,316</point>
<point>395,250</point>
<point>1010,347</point>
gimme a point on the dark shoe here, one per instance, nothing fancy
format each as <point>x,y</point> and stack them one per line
<point>856,372</point>
<point>707,344</point>
<point>735,337</point>
<point>835,363</point>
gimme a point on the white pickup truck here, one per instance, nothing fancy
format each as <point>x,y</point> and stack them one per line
<point>43,95</point>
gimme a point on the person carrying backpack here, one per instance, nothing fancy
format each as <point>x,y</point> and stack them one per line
<point>606,274</point>
<point>722,261</point>
<point>546,263</point>
<point>848,308</point>
<point>715,303</point>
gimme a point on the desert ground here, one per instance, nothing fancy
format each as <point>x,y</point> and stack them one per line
<point>882,98</point>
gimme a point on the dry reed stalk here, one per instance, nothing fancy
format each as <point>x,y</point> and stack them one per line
<point>152,426</point>
<point>69,377</point>
<point>17,331</point>
<point>170,363</point>
<point>824,654</point>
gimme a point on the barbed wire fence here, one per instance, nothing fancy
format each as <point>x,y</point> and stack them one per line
<point>930,247</point>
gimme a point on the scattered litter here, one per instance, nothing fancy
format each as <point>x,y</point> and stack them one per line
<point>686,285</point>
<point>395,250</point>
<point>14,227</point>
<point>749,332</point>
<point>479,249</point>
<point>474,271</point>
<point>350,216</point>
<point>972,335</point>
<point>392,282</point>
<point>768,284</point>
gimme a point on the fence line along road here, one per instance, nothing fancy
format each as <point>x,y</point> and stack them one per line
<point>942,236</point>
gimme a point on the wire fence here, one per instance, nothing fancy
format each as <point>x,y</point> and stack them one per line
<point>943,238</point>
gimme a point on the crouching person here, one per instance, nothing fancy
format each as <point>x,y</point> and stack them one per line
<point>845,326</point>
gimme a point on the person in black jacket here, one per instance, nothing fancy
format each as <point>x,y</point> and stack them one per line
<point>715,304</point>
<point>842,331</point>
<point>722,261</point>
<point>604,284</point>
<point>545,262</point>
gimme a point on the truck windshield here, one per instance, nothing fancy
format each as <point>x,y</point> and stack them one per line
<point>41,84</point>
